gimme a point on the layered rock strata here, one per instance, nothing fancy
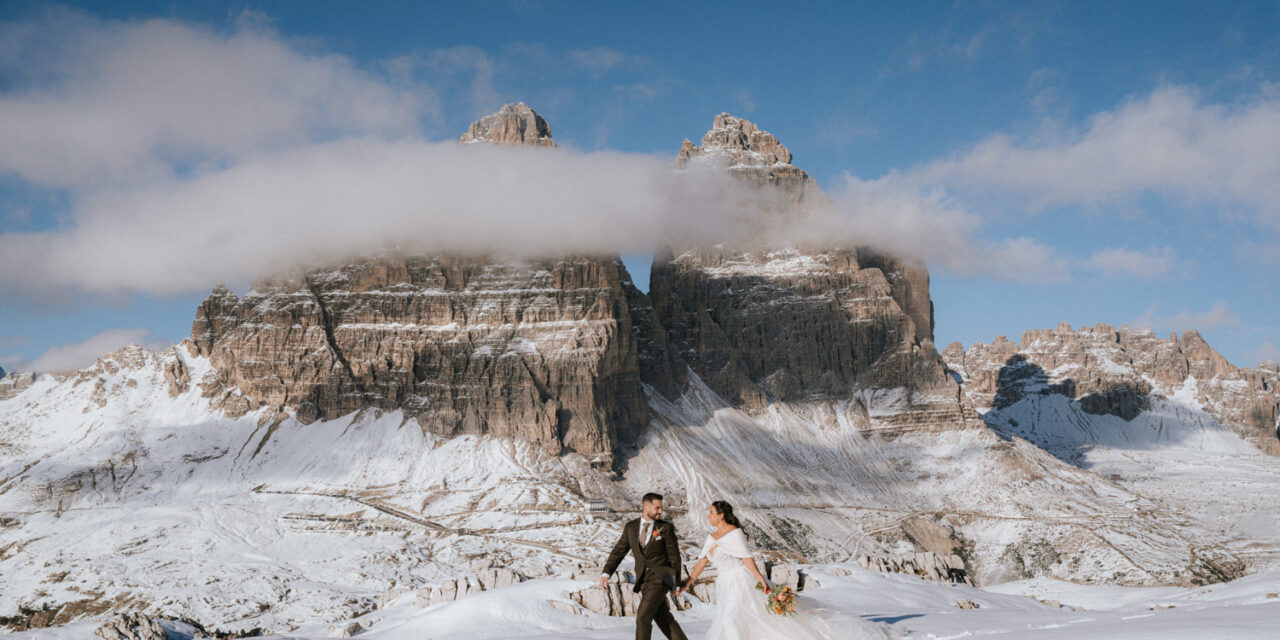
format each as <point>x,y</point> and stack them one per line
<point>457,588</point>
<point>1115,371</point>
<point>794,323</point>
<point>554,350</point>
<point>540,349</point>
<point>928,565</point>
<point>751,154</point>
<point>14,383</point>
<point>513,124</point>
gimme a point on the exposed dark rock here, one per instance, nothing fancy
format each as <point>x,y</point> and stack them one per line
<point>763,324</point>
<point>1117,371</point>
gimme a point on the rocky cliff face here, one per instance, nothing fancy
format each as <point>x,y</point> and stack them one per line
<point>751,154</point>
<point>554,351</point>
<point>514,124</point>
<point>11,384</point>
<point>542,350</point>
<point>1117,371</point>
<point>761,324</point>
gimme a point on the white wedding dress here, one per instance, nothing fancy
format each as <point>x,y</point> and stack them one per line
<point>740,607</point>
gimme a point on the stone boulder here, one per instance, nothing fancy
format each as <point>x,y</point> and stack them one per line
<point>458,588</point>
<point>131,626</point>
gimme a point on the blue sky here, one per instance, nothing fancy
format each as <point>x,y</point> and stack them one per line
<point>1062,161</point>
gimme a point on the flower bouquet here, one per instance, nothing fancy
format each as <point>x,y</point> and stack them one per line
<point>781,601</point>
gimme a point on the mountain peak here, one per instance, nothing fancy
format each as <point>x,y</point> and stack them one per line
<point>739,140</point>
<point>514,124</point>
<point>752,154</point>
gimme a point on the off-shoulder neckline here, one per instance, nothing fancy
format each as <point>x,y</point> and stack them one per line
<point>727,533</point>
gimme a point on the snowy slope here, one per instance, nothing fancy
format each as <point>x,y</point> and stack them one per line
<point>821,488</point>
<point>117,494</point>
<point>1175,454</point>
<point>910,608</point>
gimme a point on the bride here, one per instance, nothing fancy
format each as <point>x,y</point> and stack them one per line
<point>740,611</point>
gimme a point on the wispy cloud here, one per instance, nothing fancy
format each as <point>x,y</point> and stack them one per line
<point>13,341</point>
<point>950,45</point>
<point>70,357</point>
<point>469,66</point>
<point>597,60</point>
<point>94,102</point>
<point>1169,142</point>
<point>312,161</point>
<point>1218,316</point>
<point>841,128</point>
<point>1266,351</point>
<point>897,218</point>
<point>639,90</point>
<point>1121,261</point>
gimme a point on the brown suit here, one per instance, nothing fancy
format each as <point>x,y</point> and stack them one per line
<point>657,572</point>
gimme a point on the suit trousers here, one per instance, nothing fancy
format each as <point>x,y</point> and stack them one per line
<point>653,609</point>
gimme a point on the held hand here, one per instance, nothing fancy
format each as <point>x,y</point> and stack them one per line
<point>604,582</point>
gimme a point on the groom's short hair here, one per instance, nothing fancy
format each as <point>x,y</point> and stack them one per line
<point>650,497</point>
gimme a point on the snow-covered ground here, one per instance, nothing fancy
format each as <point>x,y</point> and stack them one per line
<point>114,490</point>
<point>1197,470</point>
<point>1246,609</point>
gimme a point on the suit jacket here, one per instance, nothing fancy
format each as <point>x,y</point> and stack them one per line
<point>660,559</point>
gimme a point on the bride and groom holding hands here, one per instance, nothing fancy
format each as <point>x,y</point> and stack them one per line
<point>741,611</point>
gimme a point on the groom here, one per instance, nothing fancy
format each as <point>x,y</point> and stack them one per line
<point>652,542</point>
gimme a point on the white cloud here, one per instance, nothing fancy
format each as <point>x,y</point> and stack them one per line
<point>322,203</point>
<point>70,357</point>
<point>1169,142</point>
<point>1267,351</point>
<point>894,217</point>
<point>13,341</point>
<point>97,102</point>
<point>1003,28</point>
<point>597,60</point>
<point>195,156</point>
<point>1218,316</point>
<point>639,90</point>
<point>1121,261</point>
<point>467,63</point>
<point>301,163</point>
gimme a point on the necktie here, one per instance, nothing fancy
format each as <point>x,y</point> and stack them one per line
<point>644,534</point>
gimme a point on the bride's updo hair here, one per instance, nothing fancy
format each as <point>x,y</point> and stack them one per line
<point>725,509</point>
